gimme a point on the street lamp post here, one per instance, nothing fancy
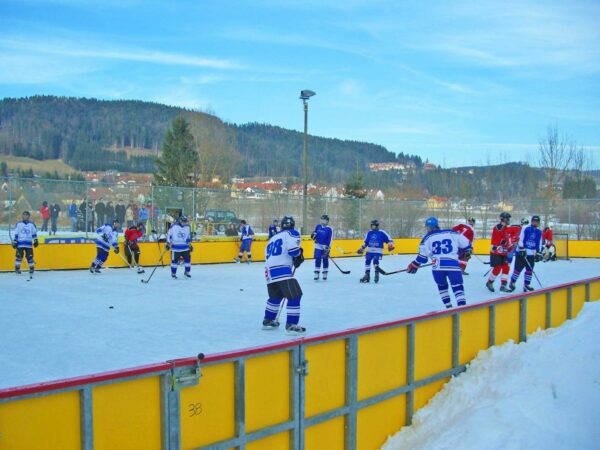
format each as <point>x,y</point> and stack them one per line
<point>304,96</point>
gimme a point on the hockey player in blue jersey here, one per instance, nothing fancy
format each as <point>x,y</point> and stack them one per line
<point>273,228</point>
<point>246,246</point>
<point>322,236</point>
<point>529,251</point>
<point>107,237</point>
<point>443,247</point>
<point>24,240</point>
<point>374,242</point>
<point>283,255</point>
<point>179,241</point>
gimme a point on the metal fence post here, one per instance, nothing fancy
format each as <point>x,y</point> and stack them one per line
<point>86,419</point>
<point>410,372</point>
<point>351,392</point>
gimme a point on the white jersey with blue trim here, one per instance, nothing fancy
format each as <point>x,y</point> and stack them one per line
<point>323,236</point>
<point>374,241</point>
<point>530,240</point>
<point>25,233</point>
<point>107,236</point>
<point>442,247</point>
<point>247,232</point>
<point>279,255</point>
<point>179,237</point>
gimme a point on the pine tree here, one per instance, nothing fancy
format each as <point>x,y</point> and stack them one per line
<point>177,164</point>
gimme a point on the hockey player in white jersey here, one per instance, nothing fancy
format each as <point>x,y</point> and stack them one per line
<point>443,247</point>
<point>107,238</point>
<point>24,240</point>
<point>282,255</point>
<point>179,241</point>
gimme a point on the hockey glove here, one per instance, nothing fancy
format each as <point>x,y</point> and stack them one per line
<point>298,260</point>
<point>468,253</point>
<point>190,248</point>
<point>326,251</point>
<point>360,250</point>
<point>14,244</point>
<point>538,257</point>
<point>391,247</point>
<point>116,250</point>
<point>167,246</point>
<point>522,254</point>
<point>313,235</point>
<point>35,243</point>
<point>412,268</point>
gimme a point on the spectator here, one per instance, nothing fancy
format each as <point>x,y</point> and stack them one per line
<point>129,215</point>
<point>136,212</point>
<point>54,212</point>
<point>73,215</point>
<point>89,217</point>
<point>231,230</point>
<point>120,211</point>
<point>100,209</point>
<point>45,212</point>
<point>81,215</point>
<point>144,215</point>
<point>110,212</point>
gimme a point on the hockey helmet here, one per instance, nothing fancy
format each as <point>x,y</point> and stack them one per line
<point>432,223</point>
<point>375,223</point>
<point>183,219</point>
<point>26,213</point>
<point>242,222</point>
<point>535,219</point>
<point>288,223</point>
<point>524,221</point>
<point>325,218</point>
<point>471,220</point>
<point>505,216</point>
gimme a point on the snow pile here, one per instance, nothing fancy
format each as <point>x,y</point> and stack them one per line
<point>542,394</point>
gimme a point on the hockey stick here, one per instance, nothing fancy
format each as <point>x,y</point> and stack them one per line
<point>155,267</point>
<point>482,261</point>
<point>485,274</point>
<point>345,272</point>
<point>534,274</point>
<point>124,260</point>
<point>341,250</point>
<point>383,272</point>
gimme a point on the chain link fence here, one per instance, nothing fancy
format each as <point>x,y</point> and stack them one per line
<point>78,208</point>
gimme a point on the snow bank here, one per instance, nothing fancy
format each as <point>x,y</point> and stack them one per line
<point>542,394</point>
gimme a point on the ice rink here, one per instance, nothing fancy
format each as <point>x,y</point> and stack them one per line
<point>70,323</point>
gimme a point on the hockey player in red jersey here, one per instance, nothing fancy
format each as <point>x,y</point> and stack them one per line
<point>500,246</point>
<point>467,230</point>
<point>549,249</point>
<point>132,249</point>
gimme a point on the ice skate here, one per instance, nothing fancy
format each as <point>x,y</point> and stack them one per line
<point>376,279</point>
<point>18,271</point>
<point>504,288</point>
<point>140,270</point>
<point>490,286</point>
<point>269,324</point>
<point>173,276</point>
<point>528,288</point>
<point>294,330</point>
<point>187,275</point>
<point>511,287</point>
<point>461,303</point>
<point>366,278</point>
<point>324,275</point>
<point>316,278</point>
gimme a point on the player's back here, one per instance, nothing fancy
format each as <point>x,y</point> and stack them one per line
<point>444,244</point>
<point>279,254</point>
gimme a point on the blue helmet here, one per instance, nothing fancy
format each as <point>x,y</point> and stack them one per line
<point>432,223</point>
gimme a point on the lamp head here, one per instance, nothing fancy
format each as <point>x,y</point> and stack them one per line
<point>306,94</point>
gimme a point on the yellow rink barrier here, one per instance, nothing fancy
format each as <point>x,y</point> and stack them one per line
<point>346,390</point>
<point>224,250</point>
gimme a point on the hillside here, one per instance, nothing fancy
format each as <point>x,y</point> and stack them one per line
<point>91,134</point>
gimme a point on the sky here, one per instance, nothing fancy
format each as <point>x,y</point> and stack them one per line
<point>457,83</point>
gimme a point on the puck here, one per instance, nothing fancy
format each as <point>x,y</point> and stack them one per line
<point>111,307</point>
<point>241,289</point>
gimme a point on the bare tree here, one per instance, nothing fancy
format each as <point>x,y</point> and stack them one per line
<point>556,154</point>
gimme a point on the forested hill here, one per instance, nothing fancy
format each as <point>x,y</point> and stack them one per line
<point>93,134</point>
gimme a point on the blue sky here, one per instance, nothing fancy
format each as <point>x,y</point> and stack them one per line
<point>462,82</point>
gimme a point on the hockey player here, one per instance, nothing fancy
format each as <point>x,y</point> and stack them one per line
<point>468,231</point>
<point>107,237</point>
<point>443,247</point>
<point>132,249</point>
<point>283,252</point>
<point>273,228</point>
<point>548,243</point>
<point>24,240</point>
<point>530,247</point>
<point>323,235</point>
<point>246,246</point>
<point>374,241</point>
<point>500,245</point>
<point>179,241</point>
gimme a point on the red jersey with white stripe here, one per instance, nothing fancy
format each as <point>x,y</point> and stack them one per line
<point>501,240</point>
<point>514,232</point>
<point>466,230</point>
